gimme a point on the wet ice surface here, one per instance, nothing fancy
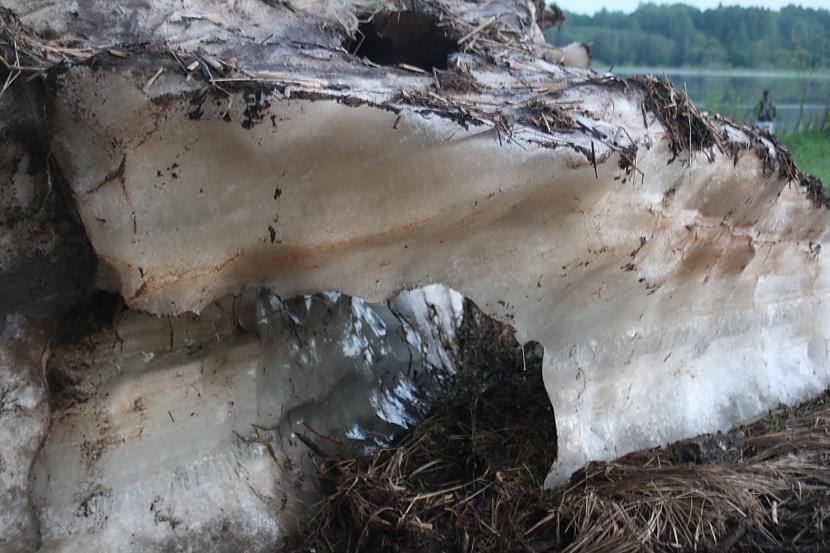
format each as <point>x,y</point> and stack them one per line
<point>184,433</point>
<point>693,285</point>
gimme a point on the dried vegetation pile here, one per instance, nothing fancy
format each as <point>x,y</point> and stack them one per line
<point>689,129</point>
<point>468,478</point>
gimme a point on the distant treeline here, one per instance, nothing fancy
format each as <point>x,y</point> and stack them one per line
<point>680,35</point>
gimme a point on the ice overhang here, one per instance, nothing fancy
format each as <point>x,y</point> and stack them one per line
<point>652,276</point>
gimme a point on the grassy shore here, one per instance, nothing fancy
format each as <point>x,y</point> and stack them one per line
<point>812,153</point>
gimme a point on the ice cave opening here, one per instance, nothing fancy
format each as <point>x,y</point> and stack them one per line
<point>412,38</point>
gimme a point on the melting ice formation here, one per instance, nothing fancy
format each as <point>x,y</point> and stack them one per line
<point>696,285</point>
<point>199,160</point>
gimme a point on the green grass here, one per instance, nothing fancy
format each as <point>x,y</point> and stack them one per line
<point>811,151</point>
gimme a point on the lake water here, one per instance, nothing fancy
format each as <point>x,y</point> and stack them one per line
<point>734,92</point>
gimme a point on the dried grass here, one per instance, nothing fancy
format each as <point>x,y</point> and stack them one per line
<point>687,127</point>
<point>468,478</point>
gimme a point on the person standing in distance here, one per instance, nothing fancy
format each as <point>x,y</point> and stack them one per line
<point>765,114</point>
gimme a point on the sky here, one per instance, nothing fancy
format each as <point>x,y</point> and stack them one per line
<point>591,6</point>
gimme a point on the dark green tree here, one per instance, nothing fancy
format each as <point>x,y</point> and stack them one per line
<point>680,35</point>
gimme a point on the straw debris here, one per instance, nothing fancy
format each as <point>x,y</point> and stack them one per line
<point>468,478</point>
<point>549,117</point>
<point>777,161</point>
<point>690,129</point>
<point>687,127</point>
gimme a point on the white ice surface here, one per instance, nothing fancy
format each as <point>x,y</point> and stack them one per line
<point>677,299</point>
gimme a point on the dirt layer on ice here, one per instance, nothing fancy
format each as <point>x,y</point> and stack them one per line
<point>469,478</point>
